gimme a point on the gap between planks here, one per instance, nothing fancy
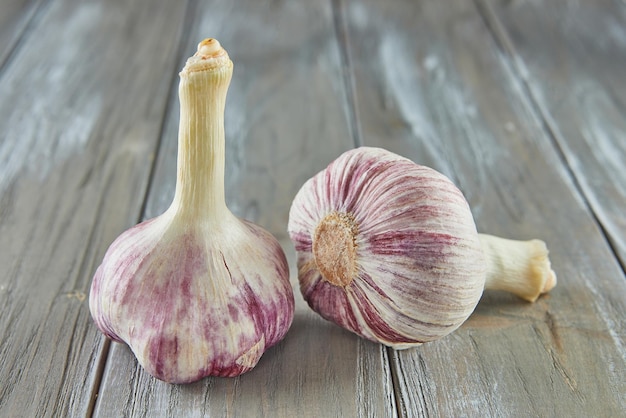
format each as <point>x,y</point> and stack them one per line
<point>395,383</point>
<point>343,41</point>
<point>27,29</point>
<point>342,35</point>
<point>503,42</point>
<point>182,41</point>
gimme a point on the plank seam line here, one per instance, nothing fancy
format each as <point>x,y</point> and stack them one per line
<point>100,365</point>
<point>395,382</point>
<point>182,41</point>
<point>505,44</point>
<point>32,20</point>
<point>347,70</point>
<point>183,38</point>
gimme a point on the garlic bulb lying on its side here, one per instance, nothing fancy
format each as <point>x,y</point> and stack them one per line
<point>388,249</point>
<point>196,291</point>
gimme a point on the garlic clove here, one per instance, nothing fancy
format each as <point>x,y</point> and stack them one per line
<point>388,249</point>
<point>196,291</point>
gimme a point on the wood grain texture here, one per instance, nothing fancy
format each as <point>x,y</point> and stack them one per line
<point>521,103</point>
<point>80,113</point>
<point>432,84</point>
<point>286,118</point>
<point>15,17</point>
<point>580,89</point>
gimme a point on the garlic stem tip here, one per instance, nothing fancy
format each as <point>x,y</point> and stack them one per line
<point>210,56</point>
<point>209,47</point>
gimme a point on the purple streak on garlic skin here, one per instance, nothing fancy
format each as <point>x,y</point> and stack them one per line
<point>195,317</point>
<point>418,243</point>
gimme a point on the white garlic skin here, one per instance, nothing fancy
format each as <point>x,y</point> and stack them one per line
<point>192,303</point>
<point>418,269</point>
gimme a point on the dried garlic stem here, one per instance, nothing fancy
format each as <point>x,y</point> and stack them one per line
<point>200,177</point>
<point>519,267</point>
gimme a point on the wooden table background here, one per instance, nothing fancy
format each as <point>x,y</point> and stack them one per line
<point>522,103</point>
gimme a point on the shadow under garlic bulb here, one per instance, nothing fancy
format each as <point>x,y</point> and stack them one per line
<point>388,249</point>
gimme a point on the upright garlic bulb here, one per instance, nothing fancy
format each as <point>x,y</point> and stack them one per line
<point>196,291</point>
<point>388,249</point>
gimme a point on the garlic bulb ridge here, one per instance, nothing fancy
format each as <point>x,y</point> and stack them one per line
<point>388,249</point>
<point>196,291</point>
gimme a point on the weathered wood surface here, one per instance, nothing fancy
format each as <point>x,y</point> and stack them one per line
<point>14,18</point>
<point>575,76</point>
<point>80,112</point>
<point>285,120</point>
<point>451,100</point>
<point>520,103</point>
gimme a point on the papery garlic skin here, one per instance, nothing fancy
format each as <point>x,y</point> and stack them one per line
<point>196,291</point>
<point>398,260</point>
<point>197,314</point>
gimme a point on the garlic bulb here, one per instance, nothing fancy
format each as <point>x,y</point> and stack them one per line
<point>196,291</point>
<point>388,249</point>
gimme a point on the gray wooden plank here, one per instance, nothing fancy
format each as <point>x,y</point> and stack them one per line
<point>81,103</point>
<point>15,17</point>
<point>572,57</point>
<point>286,119</point>
<point>432,84</point>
